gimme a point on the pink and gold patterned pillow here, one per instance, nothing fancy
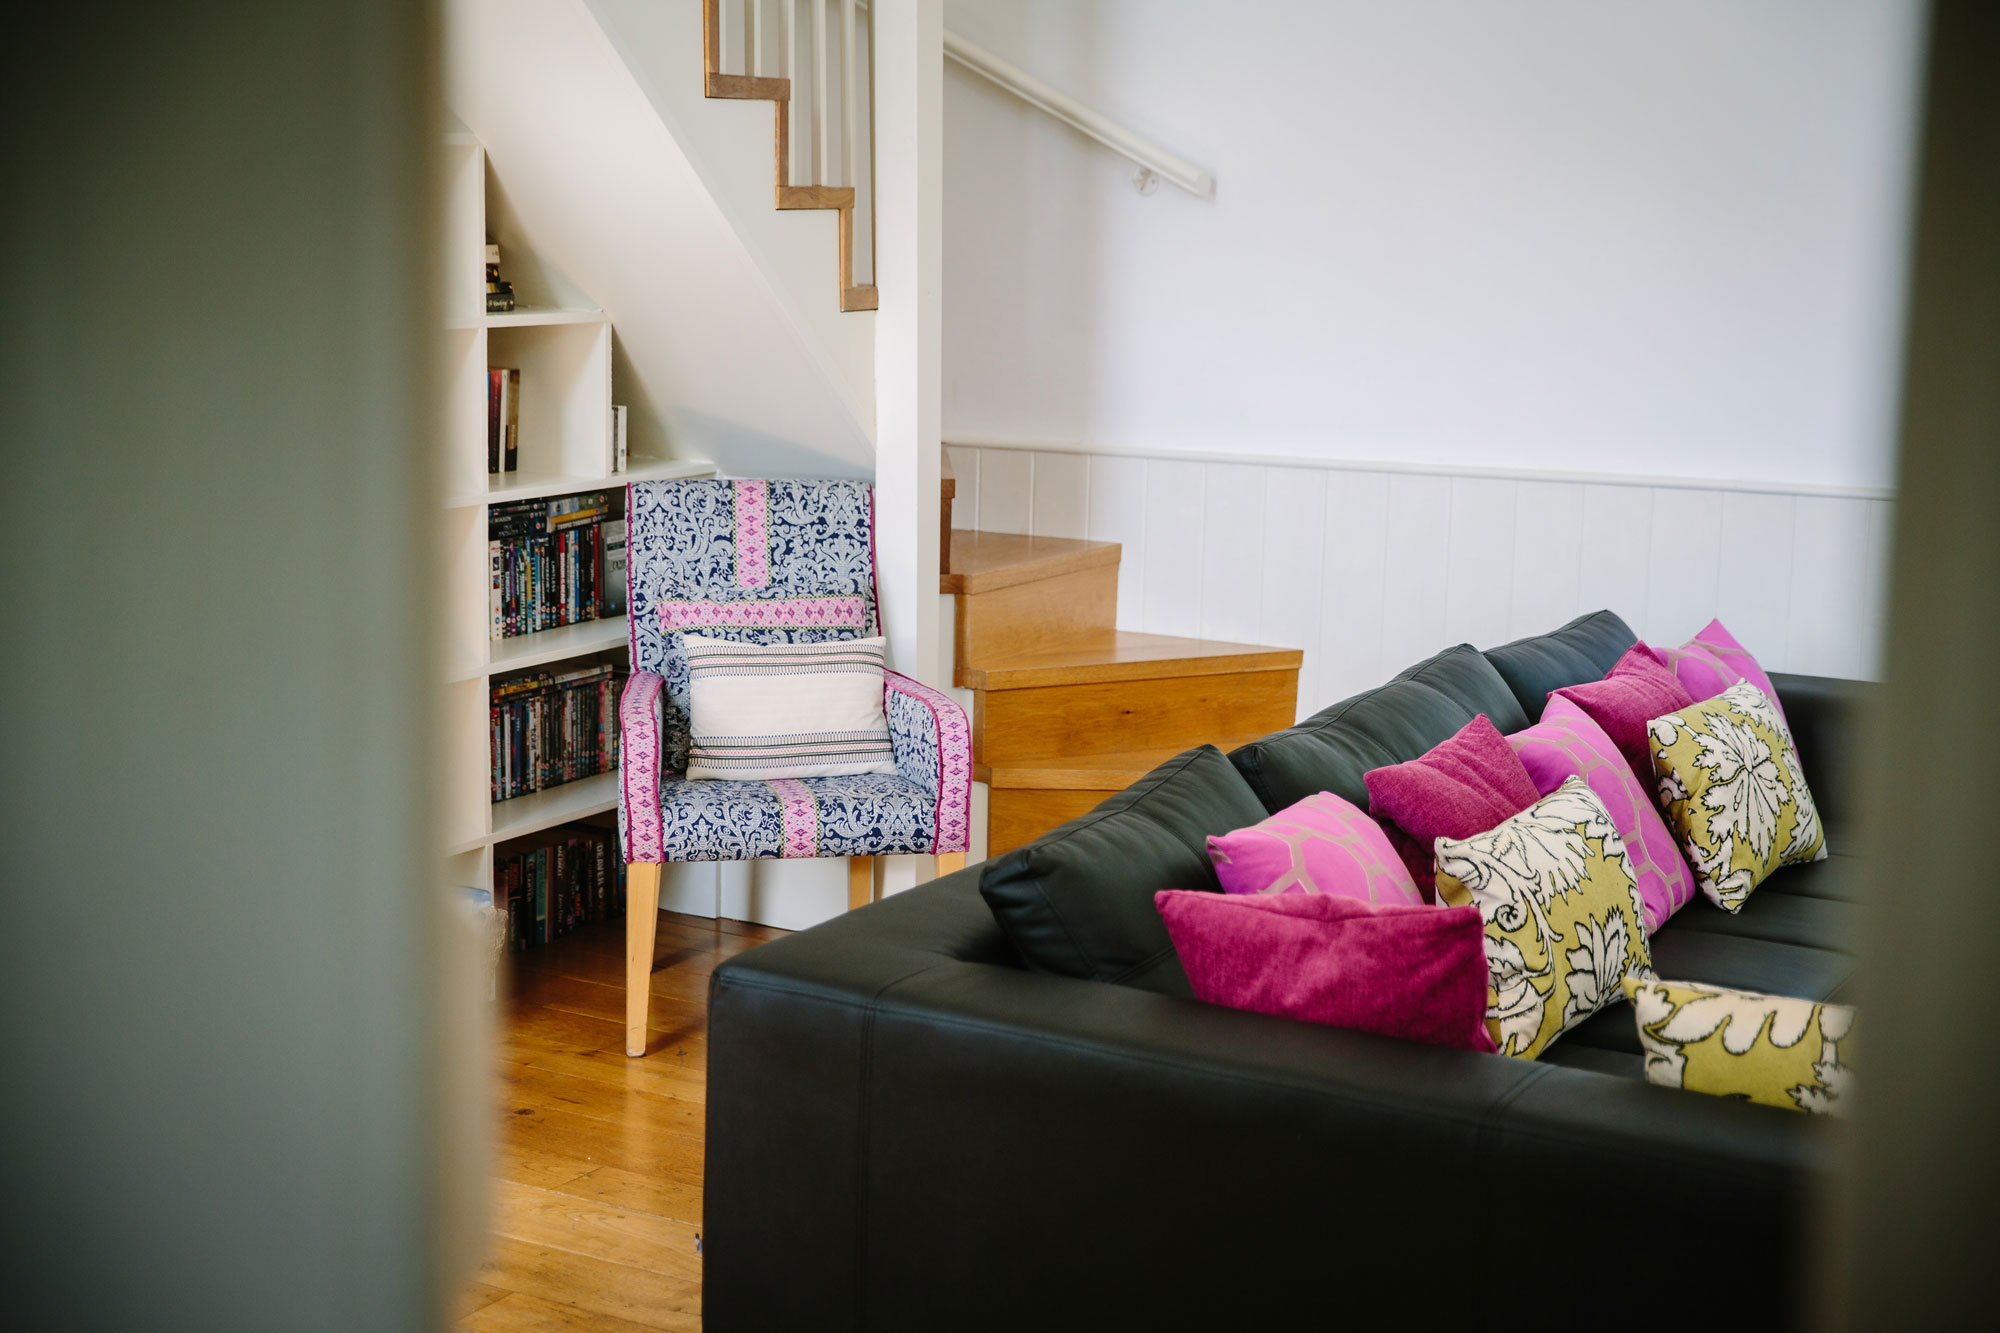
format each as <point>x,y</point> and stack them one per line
<point>1322,844</point>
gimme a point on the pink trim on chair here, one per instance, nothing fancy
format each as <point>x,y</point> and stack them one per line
<point>631,620</point>
<point>783,613</point>
<point>952,827</point>
<point>753,532</point>
<point>801,817</point>
<point>639,767</point>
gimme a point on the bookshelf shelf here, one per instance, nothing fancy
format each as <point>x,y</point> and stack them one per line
<point>557,805</point>
<point>528,484</point>
<point>549,645</point>
<point>527,317</point>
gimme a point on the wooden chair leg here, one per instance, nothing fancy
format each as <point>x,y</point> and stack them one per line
<point>860,881</point>
<point>947,862</point>
<point>642,922</point>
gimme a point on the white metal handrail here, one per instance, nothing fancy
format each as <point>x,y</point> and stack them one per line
<point>1152,158</point>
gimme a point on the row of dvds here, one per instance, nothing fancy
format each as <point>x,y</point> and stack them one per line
<point>551,728</point>
<point>573,877</point>
<point>554,562</point>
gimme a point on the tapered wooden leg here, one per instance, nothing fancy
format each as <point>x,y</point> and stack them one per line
<point>860,881</point>
<point>642,921</point>
<point>948,862</point>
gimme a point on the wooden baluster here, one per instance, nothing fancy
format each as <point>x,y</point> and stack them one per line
<point>848,119</point>
<point>753,45</point>
<point>725,31</point>
<point>788,11</point>
<point>822,128</point>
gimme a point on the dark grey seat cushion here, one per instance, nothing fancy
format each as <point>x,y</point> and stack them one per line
<point>1770,913</point>
<point>1582,650</point>
<point>1078,901</point>
<point>1390,724</point>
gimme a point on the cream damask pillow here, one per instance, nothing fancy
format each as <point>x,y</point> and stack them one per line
<point>1733,793</point>
<point>1564,923</point>
<point>1761,1048</point>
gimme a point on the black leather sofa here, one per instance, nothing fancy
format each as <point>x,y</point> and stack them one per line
<point>910,1129</point>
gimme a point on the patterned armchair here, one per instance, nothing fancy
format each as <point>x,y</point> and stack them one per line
<point>764,562</point>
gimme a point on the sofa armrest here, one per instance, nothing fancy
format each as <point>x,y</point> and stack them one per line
<point>639,750</point>
<point>933,745</point>
<point>1828,718</point>
<point>923,1135</point>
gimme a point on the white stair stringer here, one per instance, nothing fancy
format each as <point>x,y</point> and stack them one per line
<point>716,338</point>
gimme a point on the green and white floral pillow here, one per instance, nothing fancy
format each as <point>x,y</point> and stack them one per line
<point>1733,792</point>
<point>1759,1048</point>
<point>1564,923</point>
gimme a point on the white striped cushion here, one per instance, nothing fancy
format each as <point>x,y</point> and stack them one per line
<point>785,710</point>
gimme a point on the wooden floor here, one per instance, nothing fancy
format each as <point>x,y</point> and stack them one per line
<point>597,1175</point>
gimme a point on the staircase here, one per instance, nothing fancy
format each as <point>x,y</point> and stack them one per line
<point>1067,708</point>
<point>736,32</point>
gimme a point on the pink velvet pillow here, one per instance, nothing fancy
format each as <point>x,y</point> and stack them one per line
<point>1565,744</point>
<point>1636,690</point>
<point>1413,972</point>
<point>1322,844</point>
<point>1712,661</point>
<point>1460,787</point>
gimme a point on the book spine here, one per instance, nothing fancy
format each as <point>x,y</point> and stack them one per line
<point>511,418</point>
<point>495,598</point>
<point>493,378</point>
<point>617,439</point>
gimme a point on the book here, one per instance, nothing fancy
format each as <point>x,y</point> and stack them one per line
<point>612,581</point>
<point>493,378</point>
<point>617,439</point>
<point>510,419</point>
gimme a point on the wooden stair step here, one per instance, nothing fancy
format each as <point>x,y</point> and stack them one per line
<point>1125,655</point>
<point>1101,773</point>
<point>989,561</point>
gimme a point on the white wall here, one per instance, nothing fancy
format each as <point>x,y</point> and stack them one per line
<point>1582,235</point>
<point>1369,570</point>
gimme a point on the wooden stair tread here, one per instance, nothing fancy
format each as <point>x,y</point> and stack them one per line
<point>1125,655</point>
<point>989,561</point>
<point>1088,772</point>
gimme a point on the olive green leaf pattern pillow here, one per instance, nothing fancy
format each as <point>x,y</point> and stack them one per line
<point>1564,924</point>
<point>1733,792</point>
<point>1760,1048</point>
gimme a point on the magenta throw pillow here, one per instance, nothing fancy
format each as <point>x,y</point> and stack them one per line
<point>1712,661</point>
<point>1322,844</point>
<point>1636,690</point>
<point>1566,744</point>
<point>1460,787</point>
<point>1413,972</point>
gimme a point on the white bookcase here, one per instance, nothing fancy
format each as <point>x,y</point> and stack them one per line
<point>561,343</point>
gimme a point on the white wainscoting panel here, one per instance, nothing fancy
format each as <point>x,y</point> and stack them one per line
<point>1368,571</point>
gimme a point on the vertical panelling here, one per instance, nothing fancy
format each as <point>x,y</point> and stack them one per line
<point>1006,490</point>
<point>1062,495</point>
<point>1753,594</point>
<point>1232,557</point>
<point>1684,564</point>
<point>1830,579</point>
<point>965,481</point>
<point>1288,593</point>
<point>1548,557</point>
<point>1875,605</point>
<point>1418,554</point>
<point>1479,578</point>
<point>1172,601</point>
<point>1353,574</point>
<point>1117,513</point>
<point>1617,536</point>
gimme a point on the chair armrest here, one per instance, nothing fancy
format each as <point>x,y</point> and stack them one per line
<point>639,734</point>
<point>933,744</point>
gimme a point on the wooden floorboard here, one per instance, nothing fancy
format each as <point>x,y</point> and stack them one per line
<point>597,1171</point>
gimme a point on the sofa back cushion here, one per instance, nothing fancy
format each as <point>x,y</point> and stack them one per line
<point>1582,650</point>
<point>1078,901</point>
<point>1390,724</point>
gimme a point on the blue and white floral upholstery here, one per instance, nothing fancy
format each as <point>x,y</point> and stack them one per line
<point>770,562</point>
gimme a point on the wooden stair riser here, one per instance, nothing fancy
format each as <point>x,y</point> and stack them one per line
<point>1108,716</point>
<point>1016,816</point>
<point>1031,616</point>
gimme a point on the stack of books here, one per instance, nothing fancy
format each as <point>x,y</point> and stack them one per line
<point>499,294</point>
<point>552,883</point>
<point>503,419</point>
<point>549,728</point>
<point>553,562</point>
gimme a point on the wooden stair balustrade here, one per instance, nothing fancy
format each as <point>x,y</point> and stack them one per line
<point>1068,709</point>
<point>838,198</point>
